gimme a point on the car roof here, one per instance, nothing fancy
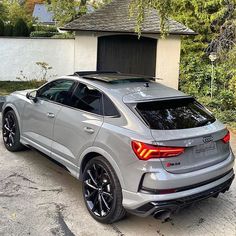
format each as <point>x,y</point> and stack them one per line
<point>129,88</point>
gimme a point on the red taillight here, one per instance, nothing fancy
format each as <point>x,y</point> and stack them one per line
<point>146,151</point>
<point>226,138</point>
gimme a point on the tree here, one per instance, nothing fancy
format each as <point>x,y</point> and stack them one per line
<point>8,29</point>
<point>64,10</point>
<point>1,27</point>
<point>21,28</point>
<point>215,23</point>
<point>67,10</point>
<point>29,5</point>
<point>140,7</point>
<point>14,11</point>
<point>3,14</point>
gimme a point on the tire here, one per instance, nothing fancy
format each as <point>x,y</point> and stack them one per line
<point>11,132</point>
<point>102,191</point>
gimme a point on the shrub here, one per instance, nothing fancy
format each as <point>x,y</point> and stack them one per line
<point>63,36</point>
<point>227,100</point>
<point>46,34</point>
<point>46,28</point>
<point>21,28</point>
<point>8,30</point>
<point>1,28</point>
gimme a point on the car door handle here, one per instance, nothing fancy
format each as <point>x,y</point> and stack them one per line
<point>50,115</point>
<point>89,130</point>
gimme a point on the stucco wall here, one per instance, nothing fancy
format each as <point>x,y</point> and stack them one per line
<point>21,54</point>
<point>167,61</point>
<point>67,56</point>
<point>86,52</point>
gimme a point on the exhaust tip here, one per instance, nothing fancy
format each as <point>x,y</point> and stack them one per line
<point>163,215</point>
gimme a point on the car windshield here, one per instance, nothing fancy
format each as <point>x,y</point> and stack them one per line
<point>172,114</point>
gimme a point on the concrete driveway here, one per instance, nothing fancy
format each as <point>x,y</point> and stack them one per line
<point>37,197</point>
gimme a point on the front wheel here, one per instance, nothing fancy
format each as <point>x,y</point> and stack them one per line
<point>102,191</point>
<point>11,132</point>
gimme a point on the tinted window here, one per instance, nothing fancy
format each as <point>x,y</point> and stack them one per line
<point>109,107</point>
<point>87,99</point>
<point>57,91</point>
<point>174,114</point>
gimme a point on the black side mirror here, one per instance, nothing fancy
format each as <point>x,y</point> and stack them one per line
<point>32,96</point>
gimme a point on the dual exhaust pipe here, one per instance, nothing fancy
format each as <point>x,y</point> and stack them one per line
<point>163,215</point>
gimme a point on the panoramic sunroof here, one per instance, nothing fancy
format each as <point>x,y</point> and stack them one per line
<point>118,78</point>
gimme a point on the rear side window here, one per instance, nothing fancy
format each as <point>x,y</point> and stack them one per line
<point>87,99</point>
<point>109,107</point>
<point>174,114</point>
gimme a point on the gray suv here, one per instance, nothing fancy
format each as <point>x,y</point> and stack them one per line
<point>137,145</point>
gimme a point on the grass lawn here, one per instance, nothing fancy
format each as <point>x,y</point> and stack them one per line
<point>7,87</point>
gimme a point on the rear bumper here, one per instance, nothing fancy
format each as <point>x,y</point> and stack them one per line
<point>174,205</point>
<point>148,204</point>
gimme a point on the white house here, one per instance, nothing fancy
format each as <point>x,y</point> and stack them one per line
<point>43,15</point>
<point>106,40</point>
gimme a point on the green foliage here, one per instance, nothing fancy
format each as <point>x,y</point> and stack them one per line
<point>67,10</point>
<point>46,28</point>
<point>14,10</point>
<point>214,21</point>
<point>44,31</point>
<point>42,34</point>
<point>3,11</point>
<point>8,29</point>
<point>21,29</point>
<point>64,10</point>
<point>64,36</point>
<point>139,8</point>
<point>1,27</point>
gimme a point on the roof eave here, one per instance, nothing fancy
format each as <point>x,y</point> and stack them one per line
<point>127,32</point>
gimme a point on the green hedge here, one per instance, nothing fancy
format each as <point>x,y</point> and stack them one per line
<point>21,29</point>
<point>45,28</point>
<point>46,34</point>
<point>8,29</point>
<point>1,28</point>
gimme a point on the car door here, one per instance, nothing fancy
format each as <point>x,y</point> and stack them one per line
<point>77,125</point>
<point>39,116</point>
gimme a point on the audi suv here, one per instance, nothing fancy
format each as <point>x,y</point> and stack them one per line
<point>135,144</point>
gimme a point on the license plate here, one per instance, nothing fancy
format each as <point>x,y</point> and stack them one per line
<point>206,147</point>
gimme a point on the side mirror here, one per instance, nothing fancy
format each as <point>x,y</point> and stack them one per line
<point>32,96</point>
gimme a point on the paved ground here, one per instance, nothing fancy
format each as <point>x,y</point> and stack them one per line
<point>37,197</point>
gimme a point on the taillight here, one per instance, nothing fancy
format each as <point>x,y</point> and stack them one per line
<point>146,151</point>
<point>226,138</point>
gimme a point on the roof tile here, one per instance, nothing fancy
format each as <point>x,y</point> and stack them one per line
<point>115,17</point>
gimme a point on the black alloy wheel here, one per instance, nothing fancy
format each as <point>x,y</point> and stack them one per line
<point>102,191</point>
<point>11,132</point>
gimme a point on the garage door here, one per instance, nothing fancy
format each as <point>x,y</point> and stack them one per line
<point>127,54</point>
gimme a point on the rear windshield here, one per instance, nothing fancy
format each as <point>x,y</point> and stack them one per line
<point>174,114</point>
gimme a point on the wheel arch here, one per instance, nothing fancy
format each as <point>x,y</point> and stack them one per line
<point>92,152</point>
<point>11,107</point>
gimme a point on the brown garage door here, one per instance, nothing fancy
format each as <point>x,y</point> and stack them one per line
<point>127,54</point>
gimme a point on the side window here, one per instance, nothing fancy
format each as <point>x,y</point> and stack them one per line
<point>109,107</point>
<point>87,99</point>
<point>57,91</point>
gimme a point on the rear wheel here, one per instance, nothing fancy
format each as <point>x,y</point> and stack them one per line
<point>11,132</point>
<point>102,191</point>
